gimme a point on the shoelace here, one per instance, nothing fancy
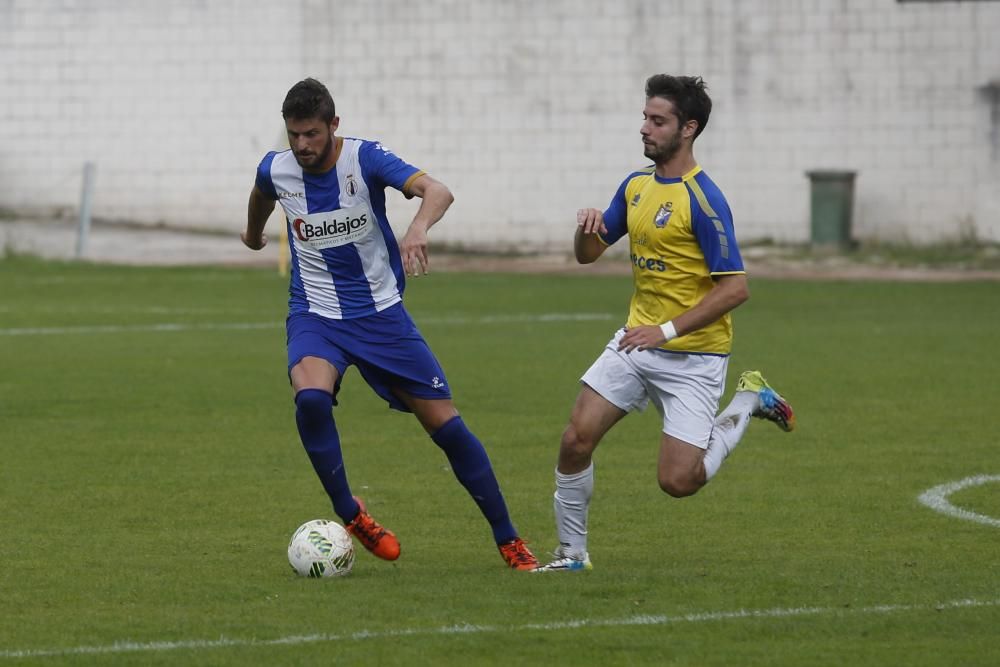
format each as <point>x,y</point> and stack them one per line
<point>518,552</point>
<point>367,530</point>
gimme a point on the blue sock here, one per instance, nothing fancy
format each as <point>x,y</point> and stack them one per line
<point>471,466</point>
<point>314,416</point>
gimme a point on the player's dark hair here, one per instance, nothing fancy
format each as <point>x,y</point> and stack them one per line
<point>688,94</point>
<point>309,99</point>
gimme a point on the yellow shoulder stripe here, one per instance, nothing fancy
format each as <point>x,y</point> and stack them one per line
<point>699,194</point>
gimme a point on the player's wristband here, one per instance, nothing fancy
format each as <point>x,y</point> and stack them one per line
<point>669,332</point>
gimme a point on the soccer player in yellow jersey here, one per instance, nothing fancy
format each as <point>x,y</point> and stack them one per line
<point>674,348</point>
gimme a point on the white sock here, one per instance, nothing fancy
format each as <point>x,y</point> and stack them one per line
<point>571,501</point>
<point>729,428</point>
<point>743,401</point>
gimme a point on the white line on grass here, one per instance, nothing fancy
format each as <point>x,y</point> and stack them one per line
<point>361,635</point>
<point>229,326</point>
<point>937,499</point>
<point>42,309</point>
<point>137,328</point>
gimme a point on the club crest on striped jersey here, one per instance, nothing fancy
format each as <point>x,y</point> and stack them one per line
<point>662,216</point>
<point>351,185</point>
<point>334,228</point>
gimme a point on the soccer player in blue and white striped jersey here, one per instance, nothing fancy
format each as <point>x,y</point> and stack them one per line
<point>345,308</point>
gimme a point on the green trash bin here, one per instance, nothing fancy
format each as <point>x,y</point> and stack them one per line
<point>831,207</point>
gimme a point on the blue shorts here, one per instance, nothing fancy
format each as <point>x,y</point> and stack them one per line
<point>386,347</point>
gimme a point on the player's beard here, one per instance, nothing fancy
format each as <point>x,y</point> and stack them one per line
<point>662,153</point>
<point>319,159</point>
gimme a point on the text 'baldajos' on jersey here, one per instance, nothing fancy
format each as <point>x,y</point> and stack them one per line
<point>345,259</point>
<point>680,236</point>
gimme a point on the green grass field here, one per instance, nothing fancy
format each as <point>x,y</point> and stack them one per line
<point>151,476</point>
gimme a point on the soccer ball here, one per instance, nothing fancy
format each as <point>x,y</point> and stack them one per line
<point>321,548</point>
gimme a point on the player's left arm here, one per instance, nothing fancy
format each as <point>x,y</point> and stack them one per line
<point>728,292</point>
<point>712,225</point>
<point>435,198</point>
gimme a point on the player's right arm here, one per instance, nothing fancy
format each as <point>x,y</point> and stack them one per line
<point>596,230</point>
<point>258,211</point>
<point>587,243</point>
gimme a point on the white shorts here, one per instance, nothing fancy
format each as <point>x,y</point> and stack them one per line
<point>685,388</point>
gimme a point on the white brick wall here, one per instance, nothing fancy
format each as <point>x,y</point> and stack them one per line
<point>526,109</point>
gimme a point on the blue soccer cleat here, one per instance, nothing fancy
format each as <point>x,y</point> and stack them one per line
<point>771,405</point>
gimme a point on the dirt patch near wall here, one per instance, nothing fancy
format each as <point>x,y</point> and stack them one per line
<point>162,246</point>
<point>757,265</point>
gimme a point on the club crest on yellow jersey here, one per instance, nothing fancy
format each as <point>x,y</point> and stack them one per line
<point>663,215</point>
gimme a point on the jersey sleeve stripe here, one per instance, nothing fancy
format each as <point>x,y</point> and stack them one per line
<point>703,201</point>
<point>409,182</point>
<point>265,182</point>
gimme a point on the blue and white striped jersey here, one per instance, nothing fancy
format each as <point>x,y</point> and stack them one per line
<point>345,259</point>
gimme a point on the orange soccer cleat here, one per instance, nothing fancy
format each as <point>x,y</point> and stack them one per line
<point>373,535</point>
<point>517,555</point>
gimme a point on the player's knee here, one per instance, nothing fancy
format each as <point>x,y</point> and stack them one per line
<point>314,406</point>
<point>575,444</point>
<point>679,484</point>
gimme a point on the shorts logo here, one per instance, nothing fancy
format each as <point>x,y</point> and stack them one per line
<point>335,228</point>
<point>663,215</point>
<point>351,185</point>
<point>436,383</point>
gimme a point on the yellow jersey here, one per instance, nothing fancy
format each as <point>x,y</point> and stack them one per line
<point>680,238</point>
